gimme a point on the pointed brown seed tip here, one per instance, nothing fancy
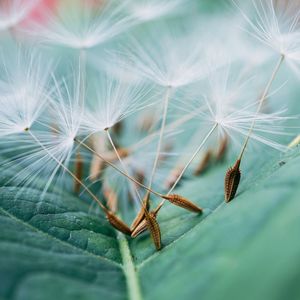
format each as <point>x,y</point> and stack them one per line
<point>154,229</point>
<point>117,223</point>
<point>142,226</point>
<point>232,180</point>
<point>139,229</point>
<point>141,215</point>
<point>183,202</point>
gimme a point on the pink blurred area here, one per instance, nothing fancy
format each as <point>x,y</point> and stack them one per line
<point>38,12</point>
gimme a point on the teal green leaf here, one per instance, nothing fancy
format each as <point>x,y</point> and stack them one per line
<point>248,249</point>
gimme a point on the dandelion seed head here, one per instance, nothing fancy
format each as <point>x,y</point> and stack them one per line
<point>229,104</point>
<point>50,143</point>
<point>66,110</point>
<point>115,101</point>
<point>276,25</point>
<point>169,58</point>
<point>24,91</point>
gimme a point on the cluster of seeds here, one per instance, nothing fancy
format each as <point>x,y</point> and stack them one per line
<point>125,82</point>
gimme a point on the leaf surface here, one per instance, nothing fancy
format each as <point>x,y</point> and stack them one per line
<point>247,249</point>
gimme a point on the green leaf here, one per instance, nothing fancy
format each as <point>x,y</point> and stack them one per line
<point>247,249</point>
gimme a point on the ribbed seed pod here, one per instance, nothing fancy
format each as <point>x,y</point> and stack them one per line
<point>141,215</point>
<point>154,229</point>
<point>117,223</point>
<point>232,180</point>
<point>183,202</point>
<point>142,226</point>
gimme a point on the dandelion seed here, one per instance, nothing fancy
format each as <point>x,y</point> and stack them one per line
<point>167,65</point>
<point>232,120</point>
<point>232,188</point>
<point>276,26</point>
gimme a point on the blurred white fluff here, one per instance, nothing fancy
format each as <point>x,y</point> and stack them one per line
<point>81,26</point>
<point>12,12</point>
<point>276,24</point>
<point>115,100</point>
<point>146,10</point>
<point>47,146</point>
<point>169,58</point>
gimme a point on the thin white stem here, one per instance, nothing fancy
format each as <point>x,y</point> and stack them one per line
<point>192,157</point>
<point>181,161</point>
<point>161,134</point>
<point>188,163</point>
<point>82,74</point>
<point>121,162</point>
<point>261,102</point>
